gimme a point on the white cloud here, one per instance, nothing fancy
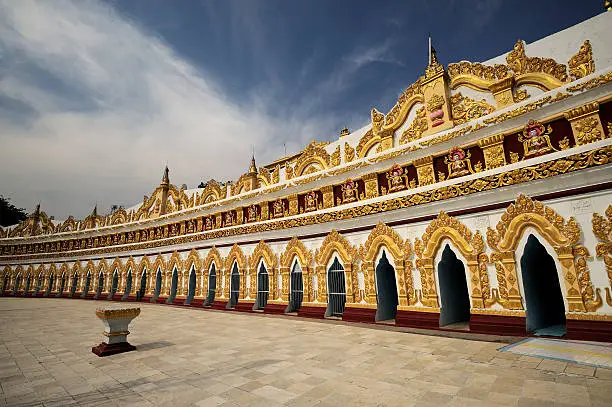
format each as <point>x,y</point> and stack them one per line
<point>143,106</point>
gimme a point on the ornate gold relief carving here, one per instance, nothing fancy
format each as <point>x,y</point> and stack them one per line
<point>349,153</point>
<point>349,192</point>
<point>493,151</point>
<point>328,196</point>
<point>471,247</point>
<point>313,158</point>
<point>602,229</point>
<point>465,109</point>
<point>425,170</point>
<point>586,124</point>
<point>458,162</point>
<point>334,242</point>
<point>335,157</point>
<point>535,139</point>
<point>522,64</point>
<point>416,128</point>
<point>371,185</point>
<point>582,64</point>
<point>367,142</point>
<point>562,235</point>
<point>396,179</point>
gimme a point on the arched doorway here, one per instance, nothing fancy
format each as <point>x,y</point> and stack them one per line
<point>296,287</point>
<point>27,285</point>
<point>62,285</point>
<point>87,284</point>
<point>39,280</point>
<point>336,289</point>
<point>212,285</point>
<point>158,285</point>
<point>263,287</point>
<point>128,285</point>
<point>17,283</point>
<point>545,308</point>
<point>191,289</point>
<point>114,284</point>
<point>173,286</point>
<point>234,286</point>
<point>100,284</point>
<point>143,285</point>
<point>454,294</point>
<point>4,284</point>
<point>387,298</point>
<point>73,286</point>
<point>50,284</point>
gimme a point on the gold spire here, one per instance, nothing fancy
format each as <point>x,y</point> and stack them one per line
<point>253,167</point>
<point>166,177</point>
<point>344,132</point>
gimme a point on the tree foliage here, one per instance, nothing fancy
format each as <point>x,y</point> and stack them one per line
<point>9,213</point>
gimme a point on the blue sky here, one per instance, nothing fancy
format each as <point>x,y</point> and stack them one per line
<point>96,96</point>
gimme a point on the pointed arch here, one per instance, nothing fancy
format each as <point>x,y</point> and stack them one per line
<point>295,248</point>
<point>193,259</point>
<point>117,264</point>
<point>160,264</point>
<point>130,265</point>
<point>18,273</point>
<point>213,256</point>
<point>236,255</point>
<point>77,269</point>
<point>263,251</point>
<point>175,262</point>
<point>562,235</point>
<point>470,246</point>
<point>144,264</point>
<point>384,237</point>
<point>335,243</point>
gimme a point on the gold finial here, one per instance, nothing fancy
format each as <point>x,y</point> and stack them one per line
<point>608,5</point>
<point>253,168</point>
<point>344,132</point>
<point>166,177</point>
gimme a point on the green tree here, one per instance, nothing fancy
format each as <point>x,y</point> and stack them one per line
<point>9,213</point>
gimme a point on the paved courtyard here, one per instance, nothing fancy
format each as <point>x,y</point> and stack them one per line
<point>190,357</point>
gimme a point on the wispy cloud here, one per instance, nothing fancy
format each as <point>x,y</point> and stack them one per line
<point>139,106</point>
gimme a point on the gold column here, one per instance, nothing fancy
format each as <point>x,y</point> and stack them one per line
<point>586,124</point>
<point>284,272</point>
<point>428,284</point>
<point>371,185</point>
<point>425,170</point>
<point>502,91</point>
<point>264,211</point>
<point>493,150</point>
<point>574,299</point>
<point>253,284</point>
<point>321,294</point>
<point>369,281</point>
<point>328,196</point>
<point>307,281</point>
<point>435,88</point>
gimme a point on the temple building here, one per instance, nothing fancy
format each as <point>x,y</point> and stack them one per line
<point>480,202</point>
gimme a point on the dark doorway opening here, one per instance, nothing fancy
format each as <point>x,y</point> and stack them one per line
<point>4,284</point>
<point>87,285</point>
<point>50,285</point>
<point>158,284</point>
<point>39,280</point>
<point>173,286</point>
<point>544,302</point>
<point>296,285</point>
<point>100,285</point>
<point>454,294</point>
<point>263,287</point>
<point>114,284</point>
<point>336,289</point>
<point>143,285</point>
<point>212,285</point>
<point>234,287</point>
<point>27,286</point>
<point>191,290</point>
<point>75,282</point>
<point>61,286</point>
<point>386,290</point>
<point>17,284</point>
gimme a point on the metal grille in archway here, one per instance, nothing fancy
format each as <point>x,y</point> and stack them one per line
<point>158,283</point>
<point>75,280</point>
<point>263,287</point>
<point>114,284</point>
<point>17,282</point>
<point>296,284</point>
<point>143,284</point>
<point>62,285</point>
<point>128,284</point>
<point>87,284</point>
<point>212,284</point>
<point>234,286</point>
<point>192,284</point>
<point>27,286</point>
<point>100,283</point>
<point>4,284</point>
<point>336,288</point>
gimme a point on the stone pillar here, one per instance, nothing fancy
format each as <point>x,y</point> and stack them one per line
<point>493,151</point>
<point>586,124</point>
<point>425,170</point>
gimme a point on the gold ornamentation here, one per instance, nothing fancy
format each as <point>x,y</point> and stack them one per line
<point>417,127</point>
<point>447,136</point>
<point>349,191</point>
<point>514,157</point>
<point>465,109</point>
<point>349,153</point>
<point>562,235</point>
<point>335,242</point>
<point>366,143</point>
<point>564,143</point>
<point>295,248</point>
<point>117,313</point>
<point>370,182</point>
<point>520,95</point>
<point>587,130</point>
<point>310,202</point>
<point>335,157</point>
<point>278,209</point>
<point>521,64</point>
<point>468,73</point>
<point>591,83</point>
<point>396,179</point>
<point>213,256</point>
<point>235,255</point>
<point>263,251</point>
<point>535,139</point>
<point>582,64</point>
<point>544,170</point>
<point>530,107</point>
<point>378,120</point>
<point>602,229</point>
<point>313,158</point>
<point>493,151</point>
<point>458,162</point>
<point>396,116</point>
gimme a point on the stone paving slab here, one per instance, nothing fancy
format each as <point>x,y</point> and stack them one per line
<point>190,357</point>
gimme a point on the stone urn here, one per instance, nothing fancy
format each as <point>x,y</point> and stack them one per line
<point>116,321</point>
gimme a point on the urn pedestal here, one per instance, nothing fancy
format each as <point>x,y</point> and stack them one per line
<point>116,321</point>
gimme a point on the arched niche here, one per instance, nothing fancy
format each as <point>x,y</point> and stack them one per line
<point>194,262</point>
<point>214,257</point>
<point>563,236</point>
<point>336,244</point>
<point>296,251</point>
<point>452,285</point>
<point>263,253</point>
<point>236,256</point>
<point>469,245</point>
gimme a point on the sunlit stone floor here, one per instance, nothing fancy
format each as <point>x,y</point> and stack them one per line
<point>208,358</point>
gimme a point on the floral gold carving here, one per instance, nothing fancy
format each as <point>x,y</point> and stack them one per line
<point>493,151</point>
<point>582,64</point>
<point>521,63</point>
<point>458,162</point>
<point>465,109</point>
<point>335,157</point>
<point>416,128</point>
<point>349,153</point>
<point>602,229</point>
<point>586,124</point>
